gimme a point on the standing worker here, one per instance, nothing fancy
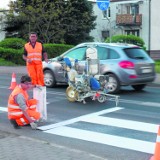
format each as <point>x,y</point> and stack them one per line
<point>21,110</point>
<point>33,54</point>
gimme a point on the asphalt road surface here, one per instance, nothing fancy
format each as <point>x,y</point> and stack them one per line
<point>124,132</point>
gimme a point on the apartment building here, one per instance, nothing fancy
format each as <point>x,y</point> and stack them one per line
<point>137,17</point>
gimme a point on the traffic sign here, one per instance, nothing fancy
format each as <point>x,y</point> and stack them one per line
<point>103,4</point>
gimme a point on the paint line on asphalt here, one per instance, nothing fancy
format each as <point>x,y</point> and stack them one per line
<point>4,109</point>
<point>151,104</point>
<point>128,124</point>
<point>67,122</point>
<point>122,142</point>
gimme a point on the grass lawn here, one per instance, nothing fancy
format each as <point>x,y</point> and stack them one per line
<point>158,66</point>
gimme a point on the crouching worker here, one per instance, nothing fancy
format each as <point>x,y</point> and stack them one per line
<point>21,110</point>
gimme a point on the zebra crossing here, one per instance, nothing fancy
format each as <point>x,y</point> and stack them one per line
<point>3,109</point>
<point>70,129</point>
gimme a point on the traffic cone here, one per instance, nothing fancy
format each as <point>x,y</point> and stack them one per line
<point>156,155</point>
<point>13,81</point>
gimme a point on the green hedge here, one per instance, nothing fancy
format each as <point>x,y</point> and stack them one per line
<point>11,49</point>
<point>3,62</point>
<point>131,39</point>
<point>15,43</point>
<point>54,50</point>
<point>158,66</point>
<point>12,55</point>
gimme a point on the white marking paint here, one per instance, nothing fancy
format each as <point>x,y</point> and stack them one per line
<point>122,142</point>
<point>134,125</point>
<point>151,104</point>
<point>4,109</point>
<point>67,122</point>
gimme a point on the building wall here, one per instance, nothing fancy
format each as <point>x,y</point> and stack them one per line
<point>101,24</point>
<point>155,25</point>
<point>2,33</point>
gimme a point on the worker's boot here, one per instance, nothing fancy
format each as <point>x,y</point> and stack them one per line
<point>14,123</point>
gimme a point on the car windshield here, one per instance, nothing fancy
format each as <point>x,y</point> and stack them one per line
<point>136,53</point>
<point>78,53</point>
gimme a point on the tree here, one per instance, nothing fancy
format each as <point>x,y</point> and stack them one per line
<point>42,16</point>
<point>80,19</point>
<point>55,21</point>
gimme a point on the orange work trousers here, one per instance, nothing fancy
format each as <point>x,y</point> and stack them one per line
<point>35,71</point>
<point>34,115</point>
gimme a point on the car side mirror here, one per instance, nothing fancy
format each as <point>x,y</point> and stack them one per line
<point>60,59</point>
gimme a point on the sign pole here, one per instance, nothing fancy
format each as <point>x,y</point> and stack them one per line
<point>103,5</point>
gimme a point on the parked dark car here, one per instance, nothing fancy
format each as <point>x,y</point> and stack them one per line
<point>125,64</point>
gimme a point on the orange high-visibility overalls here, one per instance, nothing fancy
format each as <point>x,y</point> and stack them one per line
<point>15,112</point>
<point>34,68</point>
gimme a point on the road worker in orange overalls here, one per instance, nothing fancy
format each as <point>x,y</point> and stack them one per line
<point>22,110</point>
<point>33,54</point>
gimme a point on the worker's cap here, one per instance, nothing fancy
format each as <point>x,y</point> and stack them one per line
<point>25,78</point>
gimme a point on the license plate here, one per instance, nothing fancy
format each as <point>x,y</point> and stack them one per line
<point>147,70</point>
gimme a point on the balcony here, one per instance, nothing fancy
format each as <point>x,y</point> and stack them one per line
<point>129,20</point>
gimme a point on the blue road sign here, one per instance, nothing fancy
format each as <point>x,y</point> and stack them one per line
<point>103,4</point>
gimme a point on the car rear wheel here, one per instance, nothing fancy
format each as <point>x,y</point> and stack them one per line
<point>113,84</point>
<point>49,79</point>
<point>139,87</point>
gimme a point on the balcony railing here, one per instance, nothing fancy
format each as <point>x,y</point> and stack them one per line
<point>129,20</point>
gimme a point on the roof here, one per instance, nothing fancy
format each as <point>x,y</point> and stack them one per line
<point>92,44</point>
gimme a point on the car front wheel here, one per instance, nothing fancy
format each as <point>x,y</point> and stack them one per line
<point>139,87</point>
<point>49,79</point>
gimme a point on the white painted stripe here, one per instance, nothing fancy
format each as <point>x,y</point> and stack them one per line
<point>4,109</point>
<point>122,142</point>
<point>151,104</point>
<point>158,139</point>
<point>129,124</point>
<point>67,122</point>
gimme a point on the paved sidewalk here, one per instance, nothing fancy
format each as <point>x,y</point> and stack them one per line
<point>23,148</point>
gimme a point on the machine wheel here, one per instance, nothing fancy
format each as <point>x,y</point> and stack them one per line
<point>138,87</point>
<point>71,94</point>
<point>113,84</point>
<point>101,98</point>
<point>49,79</point>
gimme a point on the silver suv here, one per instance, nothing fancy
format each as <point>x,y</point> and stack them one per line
<point>125,65</point>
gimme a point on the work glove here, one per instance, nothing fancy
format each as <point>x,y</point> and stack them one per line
<point>33,125</point>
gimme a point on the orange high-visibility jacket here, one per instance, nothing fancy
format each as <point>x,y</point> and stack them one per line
<point>34,54</point>
<point>32,104</point>
<point>14,111</point>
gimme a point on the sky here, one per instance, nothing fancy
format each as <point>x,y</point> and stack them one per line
<point>4,3</point>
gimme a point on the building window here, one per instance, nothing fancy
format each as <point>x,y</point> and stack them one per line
<point>105,34</point>
<point>106,13</point>
<point>128,9</point>
<point>132,32</point>
<point>134,9</point>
